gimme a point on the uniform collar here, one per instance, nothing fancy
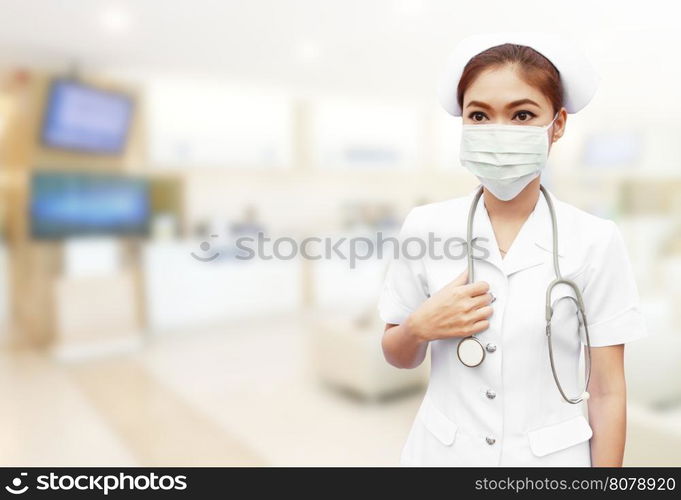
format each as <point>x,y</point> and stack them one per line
<point>533,244</point>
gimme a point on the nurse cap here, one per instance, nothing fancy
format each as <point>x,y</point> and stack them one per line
<point>579,77</point>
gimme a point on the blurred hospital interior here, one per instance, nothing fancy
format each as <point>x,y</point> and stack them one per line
<point>138,140</point>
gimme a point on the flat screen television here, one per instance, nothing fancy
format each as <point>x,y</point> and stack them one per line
<point>66,204</point>
<point>80,117</point>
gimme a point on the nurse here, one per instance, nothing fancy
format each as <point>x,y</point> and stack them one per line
<point>513,92</point>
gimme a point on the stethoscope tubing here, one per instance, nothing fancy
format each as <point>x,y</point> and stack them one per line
<point>581,315</point>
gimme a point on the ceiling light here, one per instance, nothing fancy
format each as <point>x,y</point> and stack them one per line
<point>308,52</point>
<point>410,7</point>
<point>115,19</point>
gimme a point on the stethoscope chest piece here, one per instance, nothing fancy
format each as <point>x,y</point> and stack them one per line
<point>470,351</point>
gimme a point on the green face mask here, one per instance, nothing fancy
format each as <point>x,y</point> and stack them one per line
<point>505,158</point>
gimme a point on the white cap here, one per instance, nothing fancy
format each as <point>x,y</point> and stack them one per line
<point>579,77</point>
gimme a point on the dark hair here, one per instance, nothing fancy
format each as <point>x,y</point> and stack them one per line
<point>534,68</point>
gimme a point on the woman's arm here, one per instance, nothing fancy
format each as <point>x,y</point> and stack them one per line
<point>607,406</point>
<point>401,347</point>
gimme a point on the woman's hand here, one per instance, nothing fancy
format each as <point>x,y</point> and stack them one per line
<point>457,310</point>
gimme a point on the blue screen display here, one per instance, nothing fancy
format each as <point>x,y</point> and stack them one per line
<point>84,118</point>
<point>75,204</point>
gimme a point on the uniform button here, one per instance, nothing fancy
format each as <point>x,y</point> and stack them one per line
<point>491,347</point>
<point>491,394</point>
<point>490,440</point>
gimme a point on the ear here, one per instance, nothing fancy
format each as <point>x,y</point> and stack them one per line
<point>559,125</point>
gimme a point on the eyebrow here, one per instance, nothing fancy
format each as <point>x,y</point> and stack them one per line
<point>508,106</point>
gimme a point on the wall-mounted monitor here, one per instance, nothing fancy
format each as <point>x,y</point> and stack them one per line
<point>83,118</point>
<point>65,204</point>
<point>612,149</point>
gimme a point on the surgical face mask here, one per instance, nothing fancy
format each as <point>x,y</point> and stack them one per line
<point>505,158</point>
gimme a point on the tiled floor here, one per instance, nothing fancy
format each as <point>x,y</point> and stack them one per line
<point>230,396</point>
<point>237,395</point>
<point>46,420</point>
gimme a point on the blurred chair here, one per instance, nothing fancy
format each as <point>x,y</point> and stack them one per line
<point>346,354</point>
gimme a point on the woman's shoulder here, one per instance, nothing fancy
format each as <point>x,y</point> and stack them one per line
<point>585,228</point>
<point>582,217</point>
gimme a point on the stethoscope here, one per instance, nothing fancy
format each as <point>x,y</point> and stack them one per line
<point>470,350</point>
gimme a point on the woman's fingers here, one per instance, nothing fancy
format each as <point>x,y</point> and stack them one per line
<point>481,300</point>
<point>480,326</point>
<point>481,313</point>
<point>461,279</point>
<point>475,289</point>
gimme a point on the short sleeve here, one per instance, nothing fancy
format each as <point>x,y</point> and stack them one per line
<point>610,294</point>
<point>405,286</point>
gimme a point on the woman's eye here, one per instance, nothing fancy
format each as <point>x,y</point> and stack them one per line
<point>477,116</point>
<point>523,116</point>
